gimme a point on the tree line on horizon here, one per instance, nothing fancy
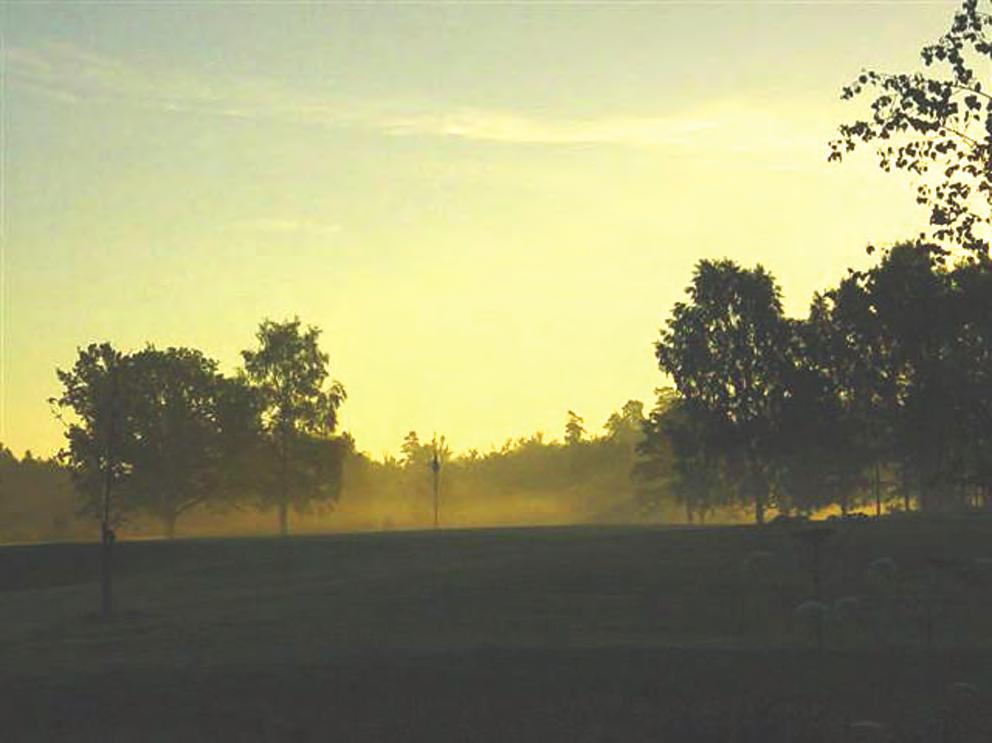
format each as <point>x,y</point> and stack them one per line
<point>583,476</point>
<point>878,400</point>
<point>156,435</point>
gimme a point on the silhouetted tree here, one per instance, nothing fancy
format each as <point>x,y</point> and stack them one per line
<point>679,458</point>
<point>100,436</point>
<point>299,416</point>
<point>241,443</point>
<point>904,358</point>
<point>727,351</point>
<point>439,455</point>
<point>7,464</point>
<point>925,124</point>
<point>188,429</point>
<point>414,454</point>
<point>971,292</point>
<point>819,449</point>
<point>856,354</point>
<point>625,426</point>
<point>574,430</point>
<point>910,297</point>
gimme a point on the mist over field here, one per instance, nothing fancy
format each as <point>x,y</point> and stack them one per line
<point>529,482</point>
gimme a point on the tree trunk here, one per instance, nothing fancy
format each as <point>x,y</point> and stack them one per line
<point>107,535</point>
<point>904,484</point>
<point>106,574</point>
<point>169,525</point>
<point>759,487</point>
<point>283,506</point>
<point>877,485</point>
<point>688,512</point>
<point>759,499</point>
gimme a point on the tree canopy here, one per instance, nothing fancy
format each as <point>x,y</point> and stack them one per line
<point>189,421</point>
<point>727,351</point>
<point>299,416</point>
<point>937,125</point>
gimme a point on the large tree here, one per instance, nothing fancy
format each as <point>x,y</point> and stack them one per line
<point>902,353</point>
<point>299,416</point>
<point>727,351</point>
<point>190,423</point>
<point>855,351</point>
<point>819,447</point>
<point>937,125</point>
<point>971,292</point>
<point>910,297</point>
<point>96,407</point>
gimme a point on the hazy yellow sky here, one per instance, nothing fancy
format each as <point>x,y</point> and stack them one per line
<point>489,208</point>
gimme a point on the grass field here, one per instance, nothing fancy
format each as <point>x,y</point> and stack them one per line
<point>550,634</point>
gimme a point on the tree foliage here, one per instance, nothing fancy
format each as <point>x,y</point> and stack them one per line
<point>937,125</point>
<point>190,426</point>
<point>678,459</point>
<point>574,428</point>
<point>727,351</point>
<point>299,414</point>
<point>37,500</point>
<point>97,405</point>
<point>885,382</point>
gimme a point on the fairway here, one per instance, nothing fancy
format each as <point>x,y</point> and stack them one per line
<point>552,634</point>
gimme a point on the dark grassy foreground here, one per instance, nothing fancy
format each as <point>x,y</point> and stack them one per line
<point>571,634</point>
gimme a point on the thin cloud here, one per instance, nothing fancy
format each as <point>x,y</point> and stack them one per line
<point>502,126</point>
<point>74,76</point>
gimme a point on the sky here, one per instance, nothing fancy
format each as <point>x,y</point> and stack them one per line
<point>489,208</point>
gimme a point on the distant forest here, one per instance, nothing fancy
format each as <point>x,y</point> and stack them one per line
<point>531,480</point>
<point>879,400</point>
